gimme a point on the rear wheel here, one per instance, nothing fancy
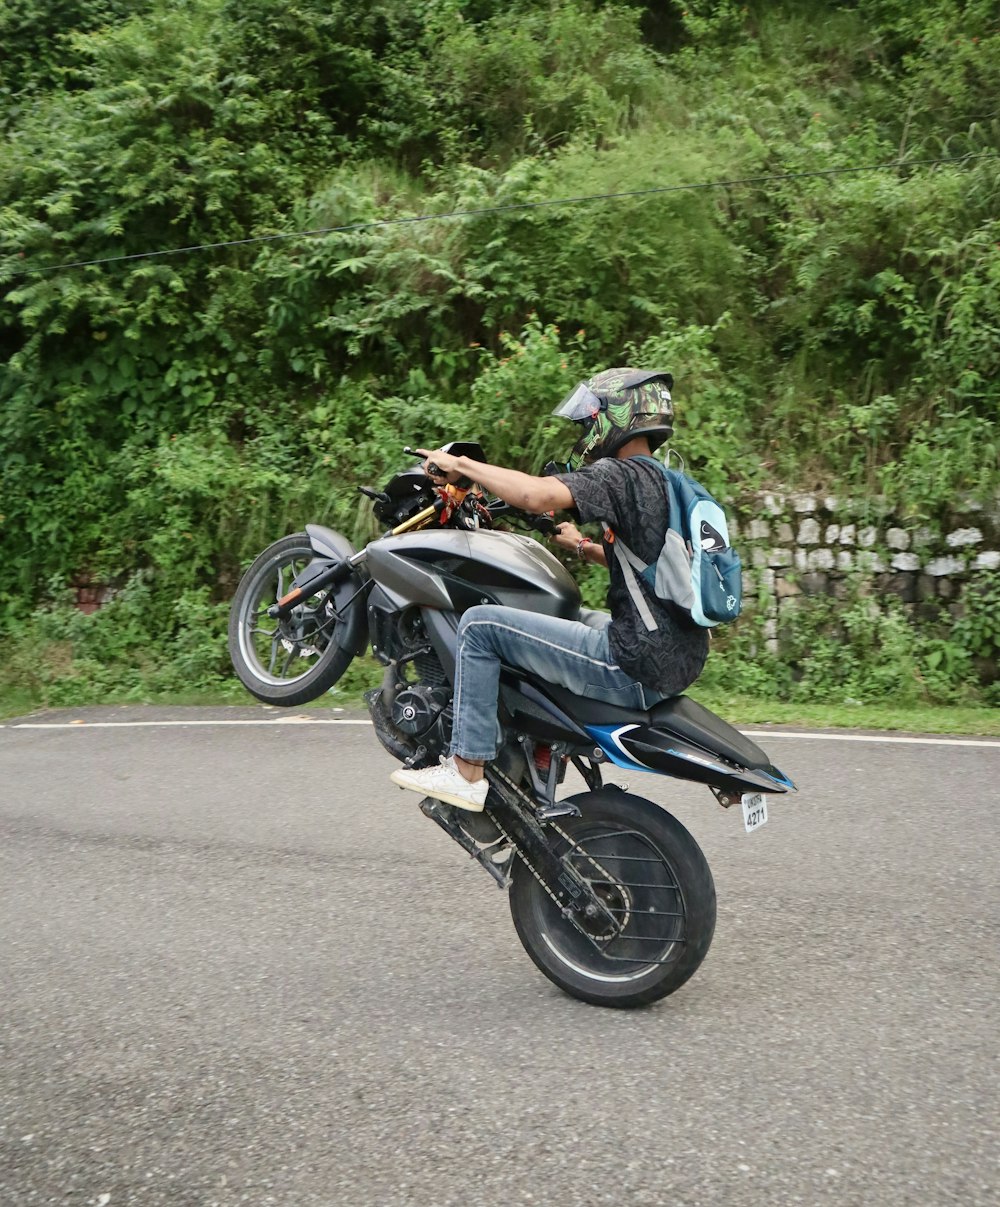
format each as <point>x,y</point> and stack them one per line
<point>652,878</point>
<point>285,662</point>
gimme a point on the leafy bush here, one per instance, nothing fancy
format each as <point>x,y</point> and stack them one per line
<point>859,651</point>
<point>161,419</point>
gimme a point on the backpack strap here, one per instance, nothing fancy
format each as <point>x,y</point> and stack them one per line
<point>629,563</point>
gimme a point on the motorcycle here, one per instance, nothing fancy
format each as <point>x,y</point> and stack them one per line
<point>610,895</point>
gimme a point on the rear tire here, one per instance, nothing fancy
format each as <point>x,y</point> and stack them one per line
<point>651,873</point>
<point>292,661</point>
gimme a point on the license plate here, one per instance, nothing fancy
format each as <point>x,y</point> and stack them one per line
<point>754,810</point>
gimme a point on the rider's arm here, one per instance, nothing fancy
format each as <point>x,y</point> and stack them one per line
<point>524,491</point>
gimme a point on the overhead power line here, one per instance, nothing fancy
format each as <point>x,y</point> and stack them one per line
<point>506,209</point>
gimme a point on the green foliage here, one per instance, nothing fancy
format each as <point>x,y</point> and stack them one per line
<point>738,665</point>
<point>515,393</point>
<point>37,44</point>
<point>713,407</point>
<point>978,628</point>
<point>162,419</point>
<point>862,650</point>
<point>530,77</point>
<point>443,79</point>
<point>63,657</point>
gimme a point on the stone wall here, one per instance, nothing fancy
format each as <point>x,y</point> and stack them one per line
<point>794,544</point>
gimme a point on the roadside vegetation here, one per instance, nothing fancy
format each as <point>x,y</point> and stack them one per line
<point>162,419</point>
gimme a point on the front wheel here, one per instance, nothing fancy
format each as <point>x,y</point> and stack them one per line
<point>652,879</point>
<point>290,661</point>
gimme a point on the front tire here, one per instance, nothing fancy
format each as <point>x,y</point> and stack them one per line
<point>653,877</point>
<point>291,661</point>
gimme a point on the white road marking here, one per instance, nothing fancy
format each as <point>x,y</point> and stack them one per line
<point>750,733</point>
<point>870,737</point>
<point>185,724</point>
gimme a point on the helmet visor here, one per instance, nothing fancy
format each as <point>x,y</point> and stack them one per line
<point>580,404</point>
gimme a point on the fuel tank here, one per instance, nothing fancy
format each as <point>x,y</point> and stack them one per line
<point>454,570</point>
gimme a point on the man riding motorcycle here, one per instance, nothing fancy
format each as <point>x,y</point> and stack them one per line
<point>625,414</point>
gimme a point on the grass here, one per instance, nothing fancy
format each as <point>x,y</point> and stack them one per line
<point>746,710</point>
<point>738,710</point>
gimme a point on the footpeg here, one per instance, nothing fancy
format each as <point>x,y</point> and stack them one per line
<point>559,808</point>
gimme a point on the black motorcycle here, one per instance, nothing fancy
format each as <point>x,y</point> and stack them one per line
<point>610,895</point>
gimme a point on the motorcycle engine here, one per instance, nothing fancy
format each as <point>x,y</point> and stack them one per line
<point>416,710</point>
<point>412,719</point>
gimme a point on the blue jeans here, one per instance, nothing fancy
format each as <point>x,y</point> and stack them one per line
<point>564,652</point>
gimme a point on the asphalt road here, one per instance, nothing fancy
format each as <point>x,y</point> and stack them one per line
<point>239,966</point>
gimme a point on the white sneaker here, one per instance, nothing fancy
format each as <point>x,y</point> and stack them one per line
<point>444,782</point>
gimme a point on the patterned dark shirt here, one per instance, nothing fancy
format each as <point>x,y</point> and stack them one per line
<point>628,495</point>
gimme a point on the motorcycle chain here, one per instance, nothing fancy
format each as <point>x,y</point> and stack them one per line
<point>517,792</point>
<point>521,855</point>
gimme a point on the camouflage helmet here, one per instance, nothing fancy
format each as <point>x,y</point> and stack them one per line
<point>615,406</point>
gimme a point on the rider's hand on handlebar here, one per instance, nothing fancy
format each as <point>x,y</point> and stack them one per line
<point>440,466</point>
<point>567,536</point>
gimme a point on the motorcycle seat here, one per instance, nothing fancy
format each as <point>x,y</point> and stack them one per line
<point>681,716</point>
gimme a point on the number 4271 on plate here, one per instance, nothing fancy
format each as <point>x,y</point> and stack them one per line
<point>754,810</point>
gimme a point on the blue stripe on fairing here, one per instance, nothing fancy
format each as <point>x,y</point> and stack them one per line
<point>780,778</point>
<point>603,735</point>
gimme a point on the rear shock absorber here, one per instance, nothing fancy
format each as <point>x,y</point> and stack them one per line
<point>543,762</point>
<point>543,758</point>
<point>546,774</point>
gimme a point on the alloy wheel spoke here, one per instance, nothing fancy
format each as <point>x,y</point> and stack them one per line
<point>274,652</point>
<point>288,660</point>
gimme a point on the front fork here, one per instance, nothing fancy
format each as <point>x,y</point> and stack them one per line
<point>323,573</point>
<point>317,576</point>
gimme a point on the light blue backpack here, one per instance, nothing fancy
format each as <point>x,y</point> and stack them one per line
<point>697,569</point>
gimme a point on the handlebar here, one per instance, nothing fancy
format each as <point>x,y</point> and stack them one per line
<point>543,523</point>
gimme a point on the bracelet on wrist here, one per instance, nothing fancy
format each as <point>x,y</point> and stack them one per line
<point>581,548</point>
